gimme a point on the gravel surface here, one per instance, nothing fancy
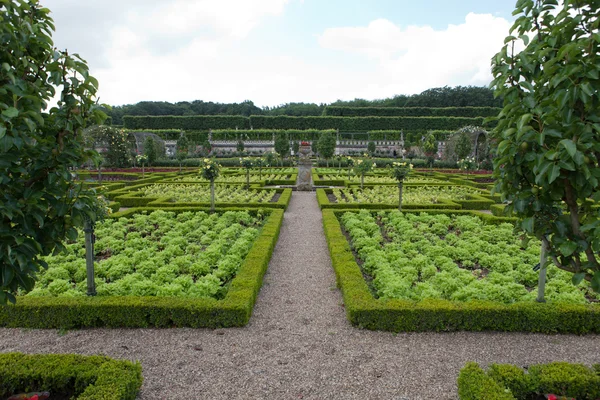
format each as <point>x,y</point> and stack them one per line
<point>299,344</point>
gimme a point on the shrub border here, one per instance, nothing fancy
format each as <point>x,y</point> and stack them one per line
<point>137,312</point>
<point>100,377</point>
<point>364,311</point>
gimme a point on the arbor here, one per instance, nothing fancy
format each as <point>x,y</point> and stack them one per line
<point>41,204</point>
<point>326,146</point>
<point>548,151</point>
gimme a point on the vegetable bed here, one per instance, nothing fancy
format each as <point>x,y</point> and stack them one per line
<point>365,309</point>
<point>421,256</point>
<point>178,268</point>
<point>241,178</point>
<point>201,194</point>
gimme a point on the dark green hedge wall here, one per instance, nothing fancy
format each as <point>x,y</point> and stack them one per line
<point>469,112</point>
<point>194,123</point>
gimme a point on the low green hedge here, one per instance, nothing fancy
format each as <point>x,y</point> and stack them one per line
<point>506,381</point>
<point>163,312</point>
<point>365,311</point>
<point>76,376</point>
<point>324,203</point>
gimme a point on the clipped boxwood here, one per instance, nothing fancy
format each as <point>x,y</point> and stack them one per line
<point>234,309</point>
<point>78,377</point>
<point>506,381</point>
<point>363,310</point>
<point>324,203</point>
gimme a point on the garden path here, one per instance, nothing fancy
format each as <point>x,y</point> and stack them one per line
<point>299,344</point>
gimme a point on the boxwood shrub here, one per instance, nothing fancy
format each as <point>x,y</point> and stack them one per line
<point>70,375</point>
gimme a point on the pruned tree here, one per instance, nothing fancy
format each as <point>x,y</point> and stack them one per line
<point>548,133</point>
<point>326,146</point>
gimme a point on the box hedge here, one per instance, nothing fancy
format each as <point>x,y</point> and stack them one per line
<point>506,381</point>
<point>192,122</point>
<point>78,377</point>
<point>163,312</point>
<point>365,311</point>
<point>469,112</point>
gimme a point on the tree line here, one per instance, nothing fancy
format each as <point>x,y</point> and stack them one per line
<point>459,96</point>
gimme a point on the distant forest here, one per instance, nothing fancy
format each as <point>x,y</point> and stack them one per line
<point>460,96</point>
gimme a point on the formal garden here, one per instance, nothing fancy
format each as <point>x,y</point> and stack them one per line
<point>431,220</point>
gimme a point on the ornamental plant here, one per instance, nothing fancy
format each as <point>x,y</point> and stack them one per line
<point>247,163</point>
<point>362,167</point>
<point>260,163</point>
<point>350,162</point>
<point>142,159</point>
<point>400,171</point>
<point>210,169</point>
<point>270,158</point>
<point>548,148</point>
<point>42,204</point>
<point>430,148</point>
<point>467,164</point>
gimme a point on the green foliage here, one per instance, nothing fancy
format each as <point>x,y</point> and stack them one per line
<point>547,133</point>
<point>282,145</point>
<point>83,377</point>
<point>326,145</point>
<point>296,147</point>
<point>200,122</point>
<point>468,112</point>
<point>150,150</point>
<point>209,169</point>
<point>41,202</point>
<point>463,145</point>
<point>442,315</point>
<point>268,134</point>
<point>135,311</point>
<point>240,146</point>
<point>505,381</point>
<point>115,144</point>
<point>371,148</point>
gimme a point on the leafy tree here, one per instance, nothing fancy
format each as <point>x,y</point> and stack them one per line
<point>282,146</point>
<point>363,166</point>
<point>463,145</point>
<point>150,150</point>
<point>142,159</point>
<point>270,158</point>
<point>371,148</point>
<point>326,146</point>
<point>182,149</point>
<point>400,171</point>
<point>41,203</point>
<point>240,146</point>
<point>210,170</point>
<point>548,133</point>
<point>247,163</point>
<point>296,147</point>
<point>430,148</point>
<point>114,144</point>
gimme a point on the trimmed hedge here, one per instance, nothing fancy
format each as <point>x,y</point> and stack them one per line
<point>506,381</point>
<point>469,112</point>
<point>162,312</point>
<point>82,377</point>
<point>362,124</point>
<point>191,122</point>
<point>363,310</point>
<point>324,203</point>
<point>267,134</point>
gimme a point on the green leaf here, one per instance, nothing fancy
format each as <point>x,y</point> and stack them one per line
<point>567,248</point>
<point>10,112</point>
<point>577,278</point>
<point>596,282</point>
<point>527,225</point>
<point>569,145</point>
<point>554,173</point>
<point>7,275</point>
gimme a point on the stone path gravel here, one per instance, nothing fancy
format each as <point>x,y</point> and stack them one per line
<point>299,344</point>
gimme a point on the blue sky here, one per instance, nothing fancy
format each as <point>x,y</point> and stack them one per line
<point>279,51</point>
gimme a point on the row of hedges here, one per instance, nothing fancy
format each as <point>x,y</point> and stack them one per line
<point>469,112</point>
<point>345,124</point>
<point>509,382</point>
<point>324,203</point>
<point>363,310</point>
<point>163,312</point>
<point>267,134</point>
<point>69,376</point>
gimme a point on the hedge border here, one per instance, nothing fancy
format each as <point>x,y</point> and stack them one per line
<point>162,312</point>
<point>95,377</point>
<point>364,311</point>
<point>510,382</point>
<point>324,203</point>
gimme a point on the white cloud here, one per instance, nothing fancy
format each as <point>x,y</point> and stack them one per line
<point>415,58</point>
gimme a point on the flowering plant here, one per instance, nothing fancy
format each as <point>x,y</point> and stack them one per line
<point>304,143</point>
<point>209,169</point>
<point>467,164</point>
<point>141,158</point>
<point>247,162</point>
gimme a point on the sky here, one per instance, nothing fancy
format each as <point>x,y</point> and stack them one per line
<point>280,51</point>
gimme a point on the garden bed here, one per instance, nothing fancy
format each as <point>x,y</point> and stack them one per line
<point>190,269</point>
<point>69,376</point>
<point>441,314</point>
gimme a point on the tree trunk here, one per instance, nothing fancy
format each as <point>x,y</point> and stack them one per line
<point>212,196</point>
<point>542,276</point>
<point>89,257</point>
<point>99,173</point>
<point>362,180</point>
<point>400,196</point>
<point>180,168</point>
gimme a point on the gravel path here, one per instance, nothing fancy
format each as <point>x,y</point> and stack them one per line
<point>299,344</point>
